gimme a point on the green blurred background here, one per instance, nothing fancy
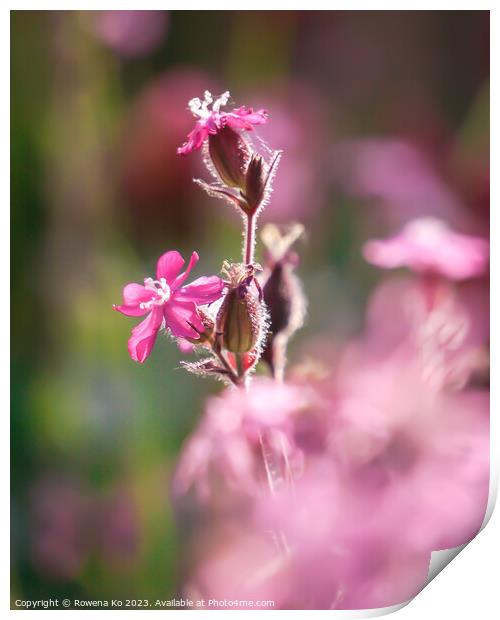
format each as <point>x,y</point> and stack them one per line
<point>98,107</point>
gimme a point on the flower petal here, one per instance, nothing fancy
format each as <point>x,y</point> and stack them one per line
<point>180,279</point>
<point>133,295</point>
<point>196,137</point>
<point>204,290</point>
<point>131,310</point>
<point>182,319</point>
<point>244,118</point>
<point>428,245</point>
<point>143,336</point>
<point>169,266</point>
<point>389,254</point>
<point>185,346</point>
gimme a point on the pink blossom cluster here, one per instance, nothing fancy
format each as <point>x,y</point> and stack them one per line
<point>332,492</point>
<point>327,487</point>
<point>226,318</point>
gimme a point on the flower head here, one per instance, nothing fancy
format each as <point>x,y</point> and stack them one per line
<point>241,320</point>
<point>210,122</point>
<point>167,302</point>
<point>427,245</point>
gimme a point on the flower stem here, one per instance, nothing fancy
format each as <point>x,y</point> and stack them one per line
<point>272,481</point>
<point>249,240</point>
<point>240,364</point>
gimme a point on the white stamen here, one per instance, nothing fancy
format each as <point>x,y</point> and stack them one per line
<point>200,109</point>
<point>221,101</point>
<point>161,290</point>
<point>195,106</point>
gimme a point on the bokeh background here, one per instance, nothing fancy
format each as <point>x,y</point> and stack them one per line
<point>382,115</point>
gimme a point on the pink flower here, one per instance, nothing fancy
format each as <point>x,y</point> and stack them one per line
<point>227,443</point>
<point>427,245</point>
<point>58,514</point>
<point>441,327</point>
<point>131,33</point>
<point>385,470</point>
<point>211,121</point>
<point>421,455</point>
<point>397,177</point>
<point>166,300</point>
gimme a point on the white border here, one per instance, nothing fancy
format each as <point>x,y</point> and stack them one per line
<point>466,588</point>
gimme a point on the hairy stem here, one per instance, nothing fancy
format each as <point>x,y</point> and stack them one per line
<point>272,481</point>
<point>249,240</point>
<point>278,357</point>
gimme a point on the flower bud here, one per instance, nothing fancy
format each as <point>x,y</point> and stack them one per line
<point>255,183</point>
<point>237,326</point>
<point>258,182</point>
<point>282,292</point>
<point>240,318</point>
<point>279,296</point>
<point>229,153</point>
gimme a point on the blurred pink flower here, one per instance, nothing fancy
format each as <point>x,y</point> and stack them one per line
<point>442,327</point>
<point>236,428</point>
<point>307,546</point>
<point>334,558</point>
<point>166,300</point>
<point>399,177</point>
<point>131,33</point>
<point>185,346</point>
<point>405,471</point>
<point>422,455</point>
<point>59,511</point>
<point>156,184</point>
<point>427,245</point>
<point>234,562</point>
<point>302,132</point>
<point>69,524</point>
<point>357,480</point>
<point>211,121</point>
<point>117,528</point>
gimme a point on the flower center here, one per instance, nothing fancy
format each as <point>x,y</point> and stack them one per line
<point>161,290</point>
<point>200,109</point>
<point>427,231</point>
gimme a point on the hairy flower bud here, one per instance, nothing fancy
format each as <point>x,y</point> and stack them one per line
<point>236,321</point>
<point>278,294</point>
<point>229,153</point>
<point>282,293</point>
<point>255,182</point>
<point>241,319</point>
